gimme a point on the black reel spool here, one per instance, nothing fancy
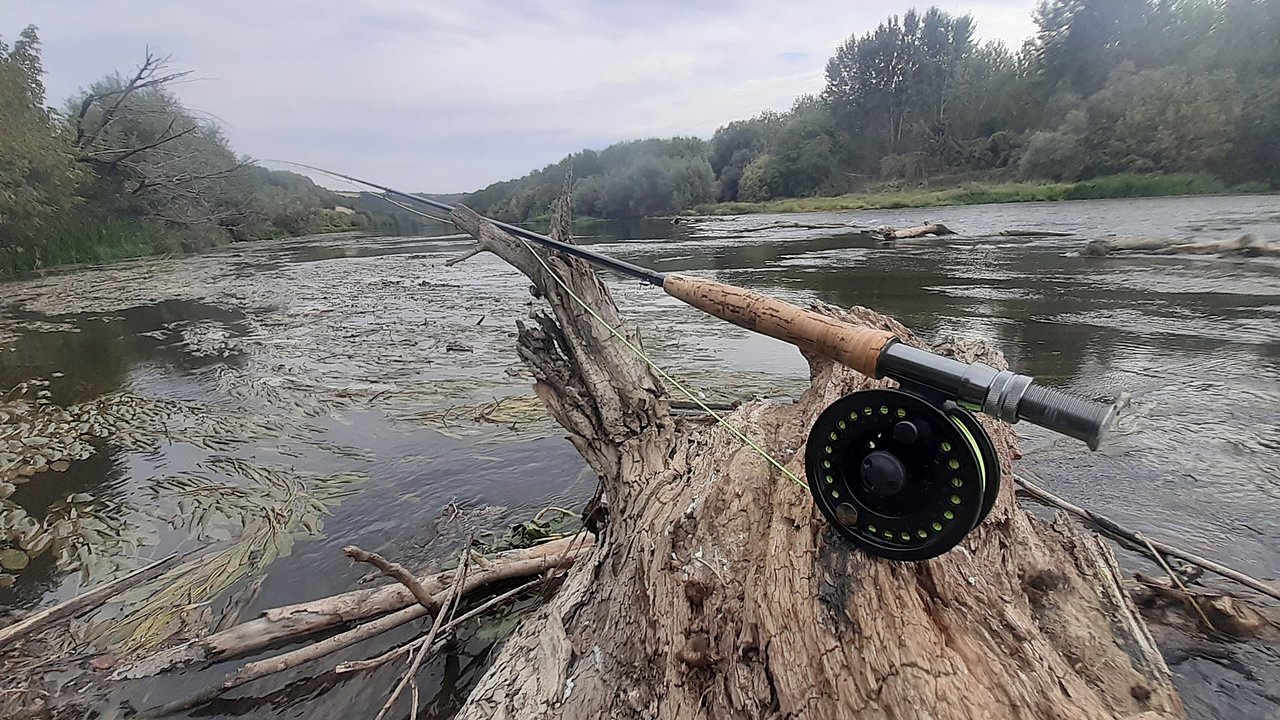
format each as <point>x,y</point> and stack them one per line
<point>903,475</point>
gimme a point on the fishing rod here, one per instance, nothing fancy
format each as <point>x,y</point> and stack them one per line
<point>903,473</point>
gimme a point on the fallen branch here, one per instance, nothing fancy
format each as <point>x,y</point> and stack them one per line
<point>1034,233</point>
<point>285,661</point>
<point>1244,246</point>
<point>87,600</point>
<point>1226,617</point>
<point>448,607</point>
<point>394,571</point>
<point>1108,527</point>
<point>796,226</point>
<point>297,621</point>
<point>1174,577</point>
<point>885,232</point>
<point>454,624</point>
<point>464,256</point>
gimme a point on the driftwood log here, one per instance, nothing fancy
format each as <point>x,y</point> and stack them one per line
<point>716,590</point>
<point>1243,246</point>
<point>393,605</point>
<point>1034,233</point>
<point>885,232</point>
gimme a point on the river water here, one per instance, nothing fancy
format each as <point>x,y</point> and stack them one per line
<point>281,400</point>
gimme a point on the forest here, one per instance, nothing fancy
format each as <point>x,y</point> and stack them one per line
<point>1136,96</point>
<point>124,169</point>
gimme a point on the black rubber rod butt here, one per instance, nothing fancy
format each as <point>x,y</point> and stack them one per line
<point>999,393</point>
<point>1068,414</point>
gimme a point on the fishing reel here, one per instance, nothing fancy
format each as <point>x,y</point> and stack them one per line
<point>904,474</point>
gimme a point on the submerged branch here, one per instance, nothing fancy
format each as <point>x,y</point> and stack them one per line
<point>87,600</point>
<point>1108,527</point>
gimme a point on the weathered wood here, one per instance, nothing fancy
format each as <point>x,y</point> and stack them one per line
<point>295,622</point>
<point>86,601</point>
<point>395,571</point>
<point>1108,527</point>
<point>1034,233</point>
<point>886,232</point>
<point>795,226</point>
<point>1243,246</point>
<point>718,591</point>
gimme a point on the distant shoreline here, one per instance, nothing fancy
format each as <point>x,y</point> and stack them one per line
<point>975,193</point>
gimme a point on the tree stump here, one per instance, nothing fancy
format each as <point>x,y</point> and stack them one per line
<point>717,590</point>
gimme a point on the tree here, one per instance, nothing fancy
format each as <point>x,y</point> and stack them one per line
<point>1080,41</point>
<point>735,145</point>
<point>153,156</point>
<point>893,88</point>
<point>37,169</point>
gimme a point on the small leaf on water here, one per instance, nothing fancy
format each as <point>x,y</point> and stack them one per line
<point>7,580</point>
<point>12,559</point>
<point>497,628</point>
<point>79,497</point>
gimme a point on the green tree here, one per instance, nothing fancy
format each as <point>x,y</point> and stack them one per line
<point>761,180</point>
<point>38,173</point>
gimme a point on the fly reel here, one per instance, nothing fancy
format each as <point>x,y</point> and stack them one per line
<point>905,475</point>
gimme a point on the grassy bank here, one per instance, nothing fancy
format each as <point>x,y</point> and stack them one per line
<point>1113,186</point>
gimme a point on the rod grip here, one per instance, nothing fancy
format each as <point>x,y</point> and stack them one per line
<point>1067,414</point>
<point>851,345</point>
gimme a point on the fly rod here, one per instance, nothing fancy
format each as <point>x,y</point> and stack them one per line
<point>905,473</point>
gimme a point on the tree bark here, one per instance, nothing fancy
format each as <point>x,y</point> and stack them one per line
<point>885,232</point>
<point>717,590</point>
<point>1243,246</point>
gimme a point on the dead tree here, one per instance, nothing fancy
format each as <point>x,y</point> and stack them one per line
<point>716,590</point>
<point>133,131</point>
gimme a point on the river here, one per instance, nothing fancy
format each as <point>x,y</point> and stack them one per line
<point>281,400</point>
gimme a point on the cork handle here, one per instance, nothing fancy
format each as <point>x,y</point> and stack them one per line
<point>857,347</point>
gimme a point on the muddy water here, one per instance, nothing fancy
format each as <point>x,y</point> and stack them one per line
<point>346,387</point>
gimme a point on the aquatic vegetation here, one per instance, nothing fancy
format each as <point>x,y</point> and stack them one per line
<point>257,521</point>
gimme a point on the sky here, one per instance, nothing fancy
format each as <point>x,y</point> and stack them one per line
<point>436,96</point>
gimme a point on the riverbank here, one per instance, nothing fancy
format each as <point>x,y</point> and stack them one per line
<point>974,193</point>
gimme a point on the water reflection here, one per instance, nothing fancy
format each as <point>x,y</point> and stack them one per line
<point>91,354</point>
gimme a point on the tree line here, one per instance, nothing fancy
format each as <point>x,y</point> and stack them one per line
<point>124,168</point>
<point>1104,87</point>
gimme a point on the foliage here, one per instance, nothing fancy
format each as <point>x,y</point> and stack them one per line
<point>126,169</point>
<point>1104,89</point>
<point>37,167</point>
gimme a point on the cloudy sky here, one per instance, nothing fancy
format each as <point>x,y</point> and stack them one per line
<point>450,96</point>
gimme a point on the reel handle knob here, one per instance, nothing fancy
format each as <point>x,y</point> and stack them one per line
<point>906,432</point>
<point>883,473</point>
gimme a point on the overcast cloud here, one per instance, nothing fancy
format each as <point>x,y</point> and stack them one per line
<point>438,96</point>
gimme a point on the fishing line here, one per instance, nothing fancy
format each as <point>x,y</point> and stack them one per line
<point>904,474</point>
<point>686,391</point>
<point>662,373</point>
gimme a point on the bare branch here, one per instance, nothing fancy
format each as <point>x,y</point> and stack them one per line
<point>396,571</point>
<point>147,76</point>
